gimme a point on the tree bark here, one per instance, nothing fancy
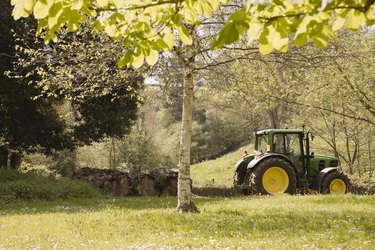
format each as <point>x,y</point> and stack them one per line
<point>273,118</point>
<point>185,202</point>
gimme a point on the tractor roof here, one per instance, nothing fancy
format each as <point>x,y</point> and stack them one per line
<point>279,131</point>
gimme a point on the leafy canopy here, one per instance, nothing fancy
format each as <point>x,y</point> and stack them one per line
<point>146,27</point>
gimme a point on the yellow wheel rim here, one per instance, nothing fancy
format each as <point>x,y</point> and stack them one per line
<point>275,180</point>
<point>337,186</point>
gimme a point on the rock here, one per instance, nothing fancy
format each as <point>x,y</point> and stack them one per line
<point>158,182</point>
<point>110,181</point>
<point>146,186</point>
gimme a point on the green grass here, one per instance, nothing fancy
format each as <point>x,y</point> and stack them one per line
<point>218,172</point>
<point>282,222</point>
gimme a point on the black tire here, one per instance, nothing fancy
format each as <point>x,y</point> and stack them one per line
<point>279,175</point>
<point>236,181</point>
<point>335,182</point>
<point>239,173</point>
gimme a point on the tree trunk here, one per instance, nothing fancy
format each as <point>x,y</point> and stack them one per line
<point>185,203</point>
<point>273,118</point>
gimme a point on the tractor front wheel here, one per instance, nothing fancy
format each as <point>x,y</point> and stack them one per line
<point>335,182</point>
<point>273,176</point>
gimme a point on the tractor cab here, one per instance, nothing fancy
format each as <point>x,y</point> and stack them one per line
<point>282,162</point>
<point>284,142</point>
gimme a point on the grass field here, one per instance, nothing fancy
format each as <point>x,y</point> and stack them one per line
<point>282,222</point>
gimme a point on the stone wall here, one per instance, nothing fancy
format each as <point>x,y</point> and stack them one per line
<point>362,188</point>
<point>155,183</point>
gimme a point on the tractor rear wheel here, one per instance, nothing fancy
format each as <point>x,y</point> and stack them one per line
<point>273,176</point>
<point>335,182</point>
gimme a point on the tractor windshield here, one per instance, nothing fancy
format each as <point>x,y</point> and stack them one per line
<point>262,143</point>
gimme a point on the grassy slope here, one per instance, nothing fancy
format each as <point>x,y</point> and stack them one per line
<point>218,172</point>
<point>221,170</point>
<point>282,222</point>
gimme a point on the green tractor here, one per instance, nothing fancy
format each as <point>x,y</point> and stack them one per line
<point>283,163</point>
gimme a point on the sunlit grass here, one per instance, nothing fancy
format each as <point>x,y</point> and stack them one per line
<point>282,222</point>
<point>218,172</point>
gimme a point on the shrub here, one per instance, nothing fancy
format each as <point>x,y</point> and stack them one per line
<point>30,186</point>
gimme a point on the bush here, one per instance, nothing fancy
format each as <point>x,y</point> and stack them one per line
<point>362,186</point>
<point>137,151</point>
<point>64,163</point>
<point>30,186</point>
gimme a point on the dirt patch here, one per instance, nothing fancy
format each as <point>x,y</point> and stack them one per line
<point>217,191</point>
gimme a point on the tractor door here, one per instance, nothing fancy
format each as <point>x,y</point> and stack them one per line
<point>294,150</point>
<point>291,145</point>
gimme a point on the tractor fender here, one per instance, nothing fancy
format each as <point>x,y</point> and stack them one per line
<point>240,166</point>
<point>320,177</point>
<point>255,161</point>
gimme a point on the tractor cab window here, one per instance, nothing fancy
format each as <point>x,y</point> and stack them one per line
<point>293,145</point>
<point>278,143</point>
<point>262,143</point>
<point>286,144</point>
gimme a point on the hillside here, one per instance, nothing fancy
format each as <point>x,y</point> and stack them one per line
<point>218,172</point>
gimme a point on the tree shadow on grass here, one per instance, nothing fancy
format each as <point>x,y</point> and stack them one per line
<point>96,204</point>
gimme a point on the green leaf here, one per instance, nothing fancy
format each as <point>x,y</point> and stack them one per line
<point>302,27</point>
<point>160,43</point>
<point>205,8</point>
<point>320,40</point>
<point>77,4</point>
<point>111,30</point>
<point>355,19</point>
<point>102,3</point>
<point>138,60</point>
<point>119,3</point>
<point>324,16</point>
<point>338,23</point>
<point>301,39</point>
<point>255,30</point>
<point>41,9</point>
<point>73,22</point>
<point>265,46</point>
<point>22,8</point>
<point>88,11</point>
<point>280,44</point>
<point>126,59</point>
<point>41,25</point>
<point>328,33</point>
<point>184,34</point>
<point>153,57</point>
<point>53,36</point>
<point>169,38</point>
<point>280,40</point>
<point>227,35</point>
<point>54,15</point>
<point>177,19</point>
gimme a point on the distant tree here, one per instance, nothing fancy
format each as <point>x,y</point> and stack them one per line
<point>25,124</point>
<point>65,115</point>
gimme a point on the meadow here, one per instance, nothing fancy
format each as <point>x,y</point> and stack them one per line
<point>281,222</point>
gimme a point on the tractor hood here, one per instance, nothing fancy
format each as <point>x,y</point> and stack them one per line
<point>321,161</point>
<point>324,157</point>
